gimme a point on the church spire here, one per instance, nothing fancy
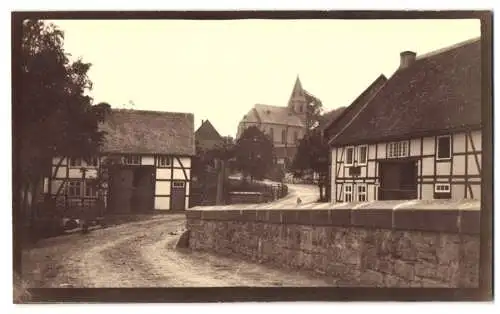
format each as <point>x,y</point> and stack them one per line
<point>297,99</point>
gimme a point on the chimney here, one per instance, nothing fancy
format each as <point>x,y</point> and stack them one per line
<point>407,59</point>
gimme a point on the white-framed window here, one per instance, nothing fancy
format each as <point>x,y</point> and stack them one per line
<point>283,136</point>
<point>397,149</point>
<point>361,189</point>
<point>443,149</point>
<point>74,188</point>
<point>132,160</point>
<point>349,156</point>
<point>362,154</point>
<point>347,193</point>
<point>75,162</point>
<point>164,161</point>
<point>442,188</point>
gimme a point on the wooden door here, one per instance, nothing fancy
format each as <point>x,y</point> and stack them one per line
<point>121,190</point>
<point>178,195</point>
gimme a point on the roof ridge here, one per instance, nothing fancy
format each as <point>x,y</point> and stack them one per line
<point>447,48</point>
<point>149,111</point>
<point>360,110</point>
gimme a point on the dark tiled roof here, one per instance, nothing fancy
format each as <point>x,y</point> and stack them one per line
<point>439,91</point>
<point>148,132</point>
<point>273,114</point>
<point>207,136</point>
<point>341,120</point>
<point>328,117</point>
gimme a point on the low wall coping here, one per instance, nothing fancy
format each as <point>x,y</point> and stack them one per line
<point>460,219</point>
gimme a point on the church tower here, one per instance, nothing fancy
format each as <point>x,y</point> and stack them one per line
<point>298,103</point>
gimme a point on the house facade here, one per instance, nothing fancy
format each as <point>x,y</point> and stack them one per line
<point>285,126</point>
<point>418,136</point>
<point>145,164</point>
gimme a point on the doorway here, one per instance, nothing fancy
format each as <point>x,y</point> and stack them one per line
<point>398,180</point>
<point>178,195</point>
<point>131,189</point>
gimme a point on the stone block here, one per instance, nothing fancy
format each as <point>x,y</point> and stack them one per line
<point>370,278</point>
<point>404,270</point>
<point>426,270</point>
<point>470,222</point>
<point>427,220</point>
<point>372,218</point>
<point>319,217</point>
<point>340,217</point>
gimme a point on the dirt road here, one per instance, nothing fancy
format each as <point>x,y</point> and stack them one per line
<point>142,254</point>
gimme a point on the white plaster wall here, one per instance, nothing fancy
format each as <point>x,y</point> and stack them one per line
<point>459,165</point>
<point>415,147</point>
<point>427,191</point>
<point>459,143</point>
<point>163,173</point>
<point>443,168</point>
<point>428,146</point>
<point>162,188</point>
<point>428,166</point>
<point>162,203</point>
<point>472,165</point>
<point>148,161</point>
<point>179,174</point>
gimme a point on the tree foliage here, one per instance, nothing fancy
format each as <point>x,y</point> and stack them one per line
<point>55,114</point>
<point>312,156</point>
<point>254,153</point>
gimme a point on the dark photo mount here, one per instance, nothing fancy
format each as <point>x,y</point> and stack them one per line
<point>163,180</point>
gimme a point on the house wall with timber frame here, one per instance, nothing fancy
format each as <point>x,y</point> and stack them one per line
<point>74,189</point>
<point>460,173</point>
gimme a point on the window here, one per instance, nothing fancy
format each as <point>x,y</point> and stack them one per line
<point>283,136</point>
<point>75,162</point>
<point>363,155</point>
<point>442,191</point>
<point>75,188</point>
<point>349,156</point>
<point>444,147</point>
<point>362,193</point>
<point>164,161</point>
<point>397,149</point>
<point>295,137</point>
<point>133,160</point>
<point>442,188</point>
<point>271,134</point>
<point>347,193</point>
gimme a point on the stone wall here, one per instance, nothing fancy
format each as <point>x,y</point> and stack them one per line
<point>370,248</point>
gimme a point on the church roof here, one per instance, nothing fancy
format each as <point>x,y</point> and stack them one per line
<point>273,115</point>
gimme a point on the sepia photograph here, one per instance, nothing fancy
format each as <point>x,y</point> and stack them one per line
<point>230,151</point>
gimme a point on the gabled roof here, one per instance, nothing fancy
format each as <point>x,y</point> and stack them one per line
<point>148,132</point>
<point>439,92</point>
<point>207,136</point>
<point>207,131</point>
<point>341,120</point>
<point>273,114</point>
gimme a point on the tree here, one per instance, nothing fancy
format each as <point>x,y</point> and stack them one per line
<point>56,115</point>
<point>312,156</point>
<point>314,111</point>
<point>254,153</point>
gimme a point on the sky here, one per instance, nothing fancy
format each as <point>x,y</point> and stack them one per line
<point>218,70</point>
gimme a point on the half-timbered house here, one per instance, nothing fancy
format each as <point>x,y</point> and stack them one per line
<point>145,157</point>
<point>418,136</point>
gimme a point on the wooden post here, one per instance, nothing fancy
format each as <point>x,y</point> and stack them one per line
<point>220,181</point>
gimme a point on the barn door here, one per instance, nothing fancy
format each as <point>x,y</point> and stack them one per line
<point>178,195</point>
<point>121,186</point>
